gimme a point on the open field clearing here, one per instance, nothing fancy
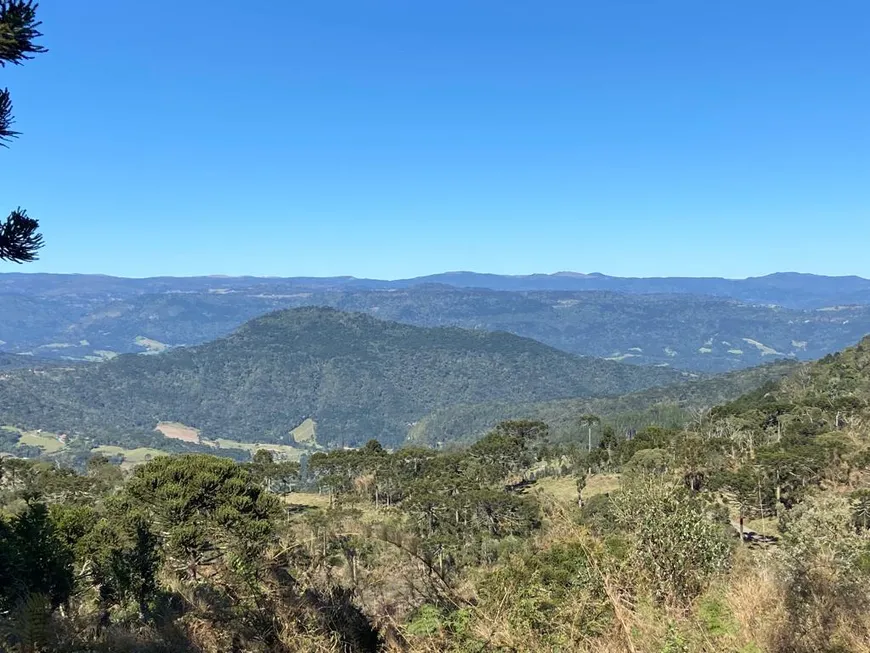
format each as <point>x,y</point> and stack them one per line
<point>153,346</point>
<point>307,499</point>
<point>767,526</point>
<point>564,489</point>
<point>177,431</point>
<point>45,442</point>
<point>282,450</point>
<point>131,456</point>
<point>48,442</point>
<point>306,432</point>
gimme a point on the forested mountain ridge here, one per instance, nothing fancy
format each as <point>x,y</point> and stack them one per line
<point>689,332</point>
<point>817,398</point>
<point>789,289</point>
<point>358,377</point>
<point>14,361</point>
<point>671,406</point>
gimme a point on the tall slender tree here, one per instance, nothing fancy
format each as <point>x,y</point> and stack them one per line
<point>589,421</point>
<point>20,239</point>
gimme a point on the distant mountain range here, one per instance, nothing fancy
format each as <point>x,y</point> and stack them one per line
<point>787,289</point>
<point>72,317</point>
<point>357,377</point>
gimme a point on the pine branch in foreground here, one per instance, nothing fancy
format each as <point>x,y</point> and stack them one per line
<point>18,31</point>
<point>19,238</point>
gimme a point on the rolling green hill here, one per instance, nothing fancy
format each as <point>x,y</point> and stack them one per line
<point>357,377</point>
<point>820,397</point>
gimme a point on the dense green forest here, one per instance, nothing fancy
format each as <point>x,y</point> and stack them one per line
<point>356,376</point>
<point>685,331</point>
<point>14,361</point>
<point>669,406</point>
<point>746,530</point>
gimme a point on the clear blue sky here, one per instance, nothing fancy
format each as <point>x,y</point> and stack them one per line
<point>393,139</point>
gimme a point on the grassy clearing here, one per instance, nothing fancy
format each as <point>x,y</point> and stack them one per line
<point>281,450</point>
<point>766,526</point>
<point>564,489</point>
<point>178,431</point>
<point>105,354</point>
<point>601,484</point>
<point>153,346</point>
<point>307,499</point>
<point>131,456</point>
<point>48,442</point>
<point>306,432</point>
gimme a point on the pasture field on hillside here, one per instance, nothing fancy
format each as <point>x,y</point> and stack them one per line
<point>306,432</point>
<point>48,442</point>
<point>131,456</point>
<point>282,450</point>
<point>178,431</point>
<point>153,346</point>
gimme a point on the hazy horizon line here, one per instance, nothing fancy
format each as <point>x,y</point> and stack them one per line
<point>350,277</point>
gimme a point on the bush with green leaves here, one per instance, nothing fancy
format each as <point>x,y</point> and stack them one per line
<point>677,546</point>
<point>648,462</point>
<point>825,563</point>
<point>555,597</point>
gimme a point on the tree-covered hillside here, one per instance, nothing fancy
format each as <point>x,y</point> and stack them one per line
<point>14,361</point>
<point>683,331</point>
<point>746,529</point>
<point>356,376</point>
<point>670,406</point>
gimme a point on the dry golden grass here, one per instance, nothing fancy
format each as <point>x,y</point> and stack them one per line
<point>601,484</point>
<point>178,431</point>
<point>564,488</point>
<point>756,600</point>
<point>307,499</point>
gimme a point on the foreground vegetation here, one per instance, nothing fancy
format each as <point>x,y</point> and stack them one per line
<point>511,544</point>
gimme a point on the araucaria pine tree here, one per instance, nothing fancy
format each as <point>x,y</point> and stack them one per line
<point>20,239</point>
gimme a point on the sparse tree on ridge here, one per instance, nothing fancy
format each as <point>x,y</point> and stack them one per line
<point>20,239</point>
